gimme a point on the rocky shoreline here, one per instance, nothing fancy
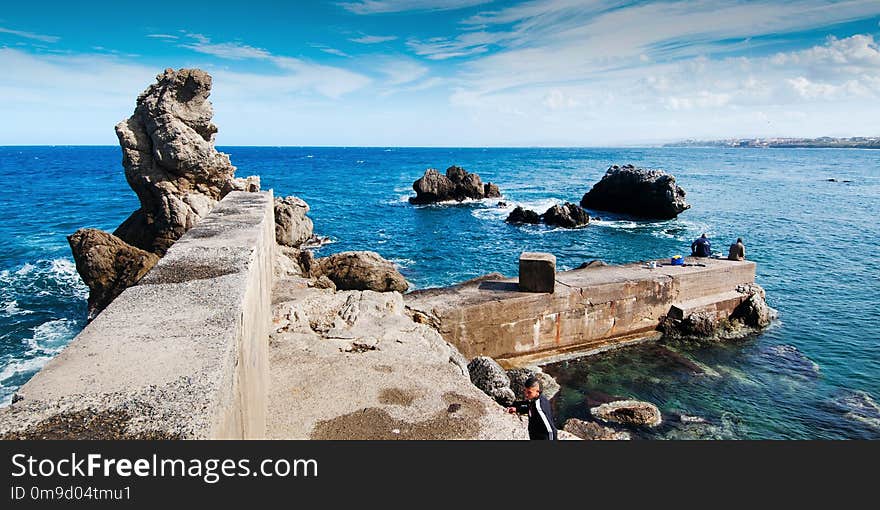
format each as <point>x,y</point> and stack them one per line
<point>339,321</point>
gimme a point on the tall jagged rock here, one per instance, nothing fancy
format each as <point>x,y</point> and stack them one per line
<point>170,160</point>
<point>107,264</point>
<point>637,191</point>
<point>292,226</point>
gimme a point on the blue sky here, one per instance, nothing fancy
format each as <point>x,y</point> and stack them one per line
<point>450,73</point>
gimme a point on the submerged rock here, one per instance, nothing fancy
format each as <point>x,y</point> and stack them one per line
<point>107,264</point>
<point>170,160</point>
<point>637,191</point>
<point>629,412</point>
<point>593,431</point>
<point>458,184</point>
<point>292,226</point>
<point>487,375</point>
<point>357,270</point>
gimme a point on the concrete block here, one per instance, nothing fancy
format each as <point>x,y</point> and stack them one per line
<point>537,272</point>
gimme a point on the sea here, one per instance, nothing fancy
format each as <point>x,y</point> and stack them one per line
<point>808,217</point>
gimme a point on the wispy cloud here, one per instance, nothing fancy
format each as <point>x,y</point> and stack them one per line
<point>373,39</point>
<point>387,6</point>
<point>163,36</point>
<point>331,51</point>
<point>228,50</point>
<point>30,35</point>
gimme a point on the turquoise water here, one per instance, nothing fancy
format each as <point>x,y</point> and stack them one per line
<point>814,374</point>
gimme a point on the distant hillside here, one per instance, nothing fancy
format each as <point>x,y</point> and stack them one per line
<point>858,142</point>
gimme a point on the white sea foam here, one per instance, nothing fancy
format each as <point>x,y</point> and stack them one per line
<point>496,212</point>
<point>50,337</point>
<point>23,366</point>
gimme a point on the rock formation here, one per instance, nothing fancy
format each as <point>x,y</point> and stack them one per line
<point>356,270</point>
<point>628,412</point>
<point>107,264</point>
<point>567,215</point>
<point>518,376</point>
<point>520,215</point>
<point>170,160</point>
<point>458,184</point>
<point>292,226</point>
<point>487,375</point>
<point>753,314</point>
<point>593,431</point>
<point>638,192</point>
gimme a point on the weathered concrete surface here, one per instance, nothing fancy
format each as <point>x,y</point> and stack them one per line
<point>591,309</point>
<point>183,354</point>
<point>537,272</point>
<point>354,365</point>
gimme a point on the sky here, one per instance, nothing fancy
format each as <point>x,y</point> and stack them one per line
<point>456,73</point>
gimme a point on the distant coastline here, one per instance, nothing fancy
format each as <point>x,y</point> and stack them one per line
<point>825,142</point>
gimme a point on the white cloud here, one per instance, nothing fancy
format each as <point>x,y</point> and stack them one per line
<point>387,6</point>
<point>401,71</point>
<point>30,35</point>
<point>163,36</point>
<point>373,39</point>
<point>228,50</point>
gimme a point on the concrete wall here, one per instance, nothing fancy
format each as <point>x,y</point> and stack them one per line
<point>183,354</point>
<point>591,309</point>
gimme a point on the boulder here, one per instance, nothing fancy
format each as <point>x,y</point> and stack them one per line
<point>628,412</point>
<point>358,270</point>
<point>107,264</point>
<point>520,215</point>
<point>567,215</point>
<point>251,184</point>
<point>458,184</point>
<point>754,312</point>
<point>170,160</point>
<point>637,191</point>
<point>487,375</point>
<point>518,376</point>
<point>590,430</point>
<point>292,226</point>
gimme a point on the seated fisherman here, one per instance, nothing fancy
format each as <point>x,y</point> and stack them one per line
<point>701,247</point>
<point>737,250</point>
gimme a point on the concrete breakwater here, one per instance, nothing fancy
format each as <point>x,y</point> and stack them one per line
<point>590,309</point>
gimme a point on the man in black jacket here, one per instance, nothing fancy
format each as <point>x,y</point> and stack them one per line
<point>537,406</point>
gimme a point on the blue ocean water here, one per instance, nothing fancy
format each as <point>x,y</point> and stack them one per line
<point>814,374</point>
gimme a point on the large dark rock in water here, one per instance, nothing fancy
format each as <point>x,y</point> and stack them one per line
<point>520,215</point>
<point>487,375</point>
<point>359,270</point>
<point>567,215</point>
<point>638,192</point>
<point>458,184</point>
<point>107,264</point>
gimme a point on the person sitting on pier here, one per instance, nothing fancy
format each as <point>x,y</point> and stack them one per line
<point>537,406</point>
<point>701,247</point>
<point>737,250</point>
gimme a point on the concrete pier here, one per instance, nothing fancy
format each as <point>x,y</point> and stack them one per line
<point>182,354</point>
<point>592,309</point>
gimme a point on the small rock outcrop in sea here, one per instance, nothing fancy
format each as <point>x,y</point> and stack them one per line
<point>637,191</point>
<point>567,215</point>
<point>107,264</point>
<point>628,412</point>
<point>292,226</point>
<point>592,431</point>
<point>518,377</point>
<point>356,270</point>
<point>753,314</point>
<point>520,215</point>
<point>458,184</point>
<point>487,375</point>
